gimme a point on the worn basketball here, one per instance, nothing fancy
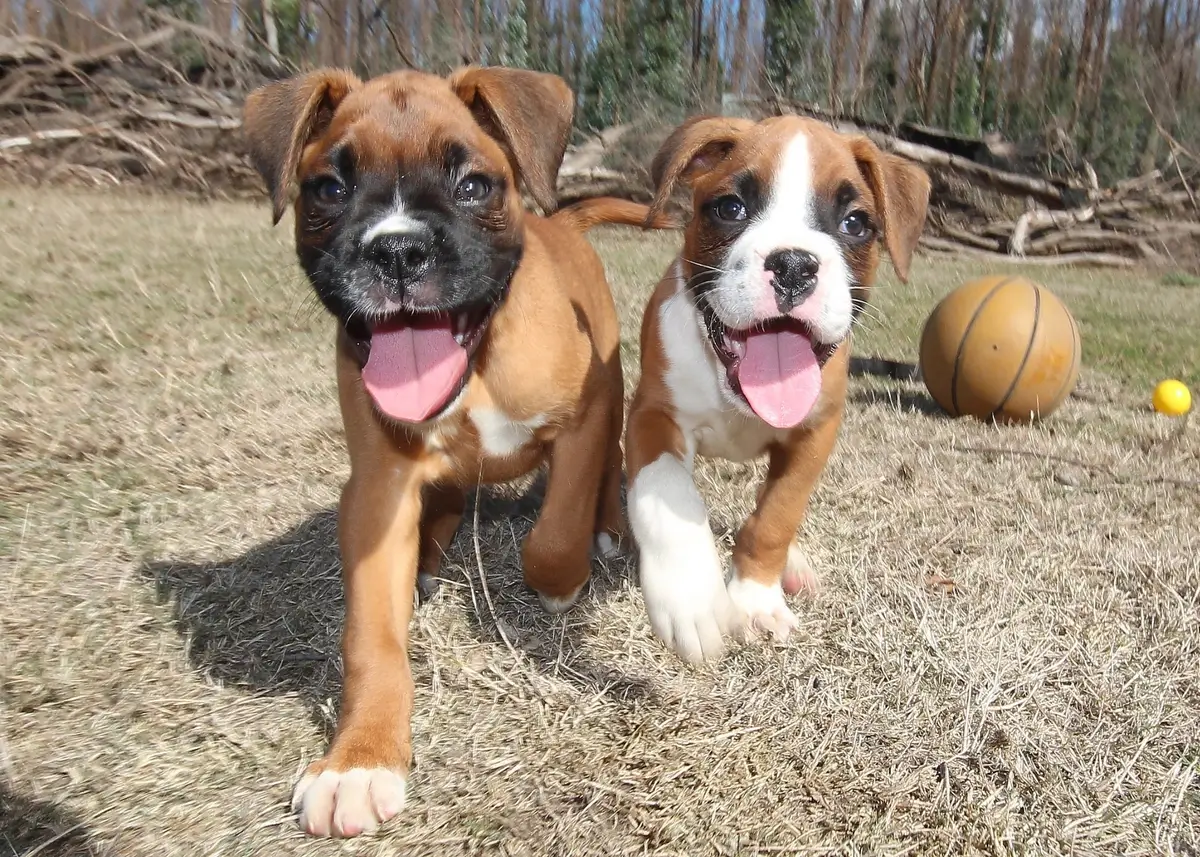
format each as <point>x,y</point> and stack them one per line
<point>1001,348</point>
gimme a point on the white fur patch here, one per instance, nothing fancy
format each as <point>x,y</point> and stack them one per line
<point>606,546</point>
<point>764,608</point>
<point>499,435</point>
<point>683,583</point>
<point>743,295</point>
<point>555,606</point>
<point>395,222</point>
<point>348,803</point>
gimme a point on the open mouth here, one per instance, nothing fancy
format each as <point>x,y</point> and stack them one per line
<point>415,364</point>
<point>774,366</point>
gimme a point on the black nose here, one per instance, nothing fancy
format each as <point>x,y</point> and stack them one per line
<point>795,276</point>
<point>404,256</point>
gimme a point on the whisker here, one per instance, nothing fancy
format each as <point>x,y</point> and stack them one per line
<point>708,267</point>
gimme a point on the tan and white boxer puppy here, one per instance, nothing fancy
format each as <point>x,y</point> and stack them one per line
<point>745,349</point>
<point>475,341</point>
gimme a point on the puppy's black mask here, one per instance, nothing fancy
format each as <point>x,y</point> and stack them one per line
<point>408,237</point>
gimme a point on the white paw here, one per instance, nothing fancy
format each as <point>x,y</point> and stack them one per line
<point>683,583</point>
<point>559,605</point>
<point>689,608</point>
<point>763,608</point>
<point>347,803</point>
<point>798,574</point>
<point>606,546</point>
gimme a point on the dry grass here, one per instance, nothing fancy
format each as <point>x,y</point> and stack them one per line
<point>169,596</point>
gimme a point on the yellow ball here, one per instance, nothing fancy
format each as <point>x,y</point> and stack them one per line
<point>1172,398</point>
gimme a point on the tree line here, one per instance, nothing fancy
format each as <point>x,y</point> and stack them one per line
<point>1112,82</point>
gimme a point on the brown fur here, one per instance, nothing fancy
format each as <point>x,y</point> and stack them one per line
<point>707,155</point>
<point>551,351</point>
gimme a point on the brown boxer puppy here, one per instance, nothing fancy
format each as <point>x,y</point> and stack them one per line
<point>475,341</point>
<point>745,349</point>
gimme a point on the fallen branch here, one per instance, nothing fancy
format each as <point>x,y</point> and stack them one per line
<point>1098,260</point>
<point>1042,218</point>
<point>962,236</point>
<point>54,135</point>
<point>1001,180</point>
<point>199,122</point>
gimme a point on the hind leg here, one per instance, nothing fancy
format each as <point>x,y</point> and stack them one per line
<point>442,515</point>
<point>557,552</point>
<point>610,524</point>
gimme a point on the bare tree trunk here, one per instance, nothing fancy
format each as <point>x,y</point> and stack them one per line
<point>862,52</point>
<point>955,34</point>
<point>837,59</point>
<point>989,53</point>
<point>914,82</point>
<point>741,47</point>
<point>272,31</point>
<point>1022,54</point>
<point>938,23</point>
<point>1083,70</point>
<point>1101,57</point>
<point>714,56</point>
<point>1131,19</point>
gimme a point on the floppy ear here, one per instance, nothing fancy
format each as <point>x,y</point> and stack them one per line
<point>279,119</point>
<point>901,190</point>
<point>695,147</point>
<point>529,113</point>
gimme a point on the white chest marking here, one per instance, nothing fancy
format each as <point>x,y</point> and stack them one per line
<point>500,435</point>
<point>712,422</point>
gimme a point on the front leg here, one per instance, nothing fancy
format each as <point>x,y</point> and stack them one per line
<point>442,514</point>
<point>683,582</point>
<point>361,781</point>
<point>557,554</point>
<point>766,558</point>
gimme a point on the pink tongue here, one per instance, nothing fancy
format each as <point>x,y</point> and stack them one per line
<point>780,376</point>
<point>411,371</point>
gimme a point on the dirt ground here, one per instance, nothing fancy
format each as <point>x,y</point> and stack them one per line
<point>1005,657</point>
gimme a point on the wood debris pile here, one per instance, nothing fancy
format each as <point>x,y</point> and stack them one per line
<point>1150,220</point>
<point>163,107</point>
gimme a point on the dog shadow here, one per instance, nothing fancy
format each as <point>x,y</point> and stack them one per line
<point>895,396</point>
<point>29,826</point>
<point>901,387</point>
<point>270,619</point>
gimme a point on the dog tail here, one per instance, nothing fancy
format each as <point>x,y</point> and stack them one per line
<point>610,209</point>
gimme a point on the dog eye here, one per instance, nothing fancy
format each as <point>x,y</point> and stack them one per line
<point>472,189</point>
<point>730,208</point>
<point>855,224</point>
<point>330,191</point>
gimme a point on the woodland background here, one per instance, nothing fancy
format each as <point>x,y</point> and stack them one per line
<point>1045,108</point>
<point>1110,81</point>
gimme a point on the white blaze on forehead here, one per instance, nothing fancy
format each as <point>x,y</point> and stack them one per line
<point>744,296</point>
<point>397,221</point>
<point>790,198</point>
